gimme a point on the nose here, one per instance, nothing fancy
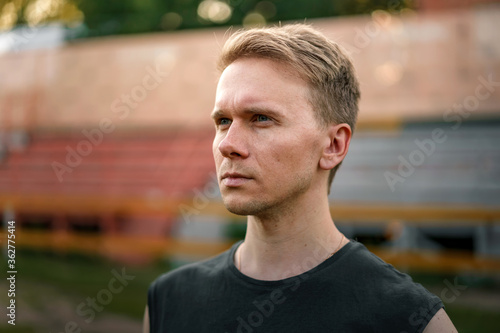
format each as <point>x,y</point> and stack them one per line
<point>234,143</point>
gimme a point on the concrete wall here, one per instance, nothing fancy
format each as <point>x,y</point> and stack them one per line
<point>411,66</point>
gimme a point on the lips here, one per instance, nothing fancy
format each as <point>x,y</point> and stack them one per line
<point>234,179</point>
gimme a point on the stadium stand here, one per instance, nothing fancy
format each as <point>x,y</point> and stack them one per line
<point>105,145</point>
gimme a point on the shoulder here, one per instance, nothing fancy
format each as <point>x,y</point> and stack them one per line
<point>175,297</point>
<point>372,271</point>
<point>191,274</point>
<point>392,296</point>
<point>367,268</point>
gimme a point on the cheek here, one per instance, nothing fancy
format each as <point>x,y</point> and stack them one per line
<point>215,143</point>
<point>300,154</point>
<point>288,156</point>
<point>216,153</point>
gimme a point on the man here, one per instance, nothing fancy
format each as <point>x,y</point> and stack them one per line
<point>285,109</point>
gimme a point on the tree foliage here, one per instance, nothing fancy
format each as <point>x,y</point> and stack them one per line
<point>98,18</point>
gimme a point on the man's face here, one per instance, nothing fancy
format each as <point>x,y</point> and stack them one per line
<point>268,143</point>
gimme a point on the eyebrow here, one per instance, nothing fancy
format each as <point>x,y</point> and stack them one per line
<point>217,114</point>
<point>252,111</point>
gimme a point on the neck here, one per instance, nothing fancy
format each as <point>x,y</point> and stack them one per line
<point>278,246</point>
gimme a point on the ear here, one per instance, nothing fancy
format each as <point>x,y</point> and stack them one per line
<point>336,146</point>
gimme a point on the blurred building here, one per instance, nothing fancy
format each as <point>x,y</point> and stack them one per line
<point>113,135</point>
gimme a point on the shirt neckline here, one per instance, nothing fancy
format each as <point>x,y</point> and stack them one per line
<point>351,245</point>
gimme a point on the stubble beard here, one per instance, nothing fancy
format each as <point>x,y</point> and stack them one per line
<point>268,208</point>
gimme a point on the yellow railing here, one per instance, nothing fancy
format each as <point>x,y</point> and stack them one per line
<point>352,212</point>
<point>133,246</point>
<point>145,248</point>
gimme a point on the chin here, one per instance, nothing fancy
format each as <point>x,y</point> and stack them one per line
<point>244,207</point>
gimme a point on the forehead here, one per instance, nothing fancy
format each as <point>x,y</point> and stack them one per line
<point>254,82</point>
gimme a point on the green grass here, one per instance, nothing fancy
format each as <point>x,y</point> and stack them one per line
<point>77,277</point>
<point>16,329</point>
<point>46,276</point>
<point>470,320</point>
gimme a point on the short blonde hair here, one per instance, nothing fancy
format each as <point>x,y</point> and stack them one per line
<point>323,64</point>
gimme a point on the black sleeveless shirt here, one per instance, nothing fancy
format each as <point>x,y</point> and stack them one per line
<point>352,291</point>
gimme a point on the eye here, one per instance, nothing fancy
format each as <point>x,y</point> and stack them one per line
<point>262,117</point>
<point>223,122</point>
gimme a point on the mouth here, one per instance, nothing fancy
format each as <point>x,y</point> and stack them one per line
<point>234,179</point>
